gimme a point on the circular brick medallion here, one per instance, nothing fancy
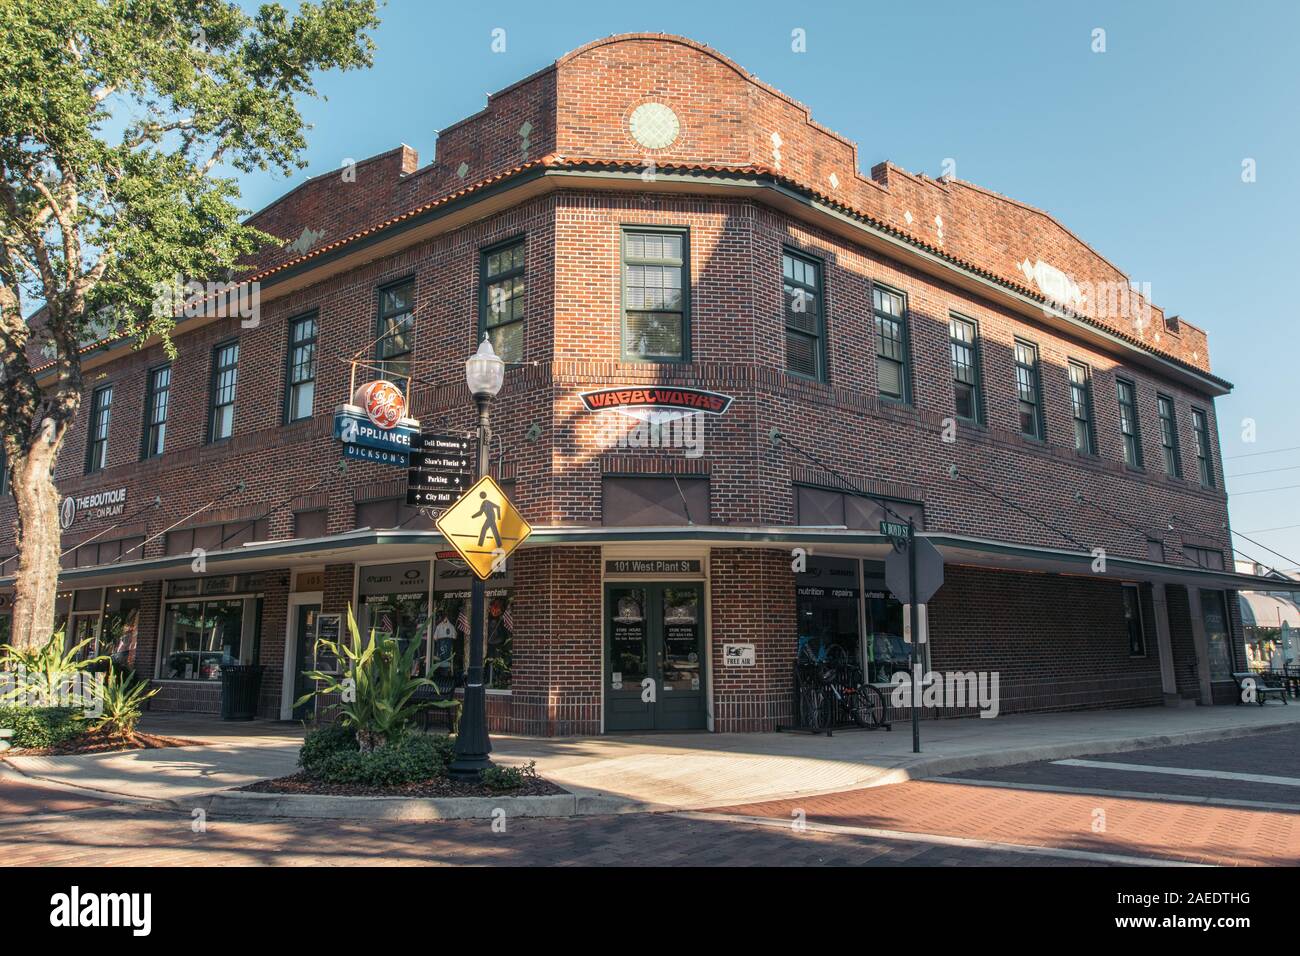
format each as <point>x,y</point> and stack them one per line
<point>654,125</point>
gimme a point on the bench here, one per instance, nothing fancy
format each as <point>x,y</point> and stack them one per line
<point>437,703</point>
<point>5,735</point>
<point>1262,685</point>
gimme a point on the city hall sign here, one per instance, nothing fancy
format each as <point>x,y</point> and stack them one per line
<point>98,504</point>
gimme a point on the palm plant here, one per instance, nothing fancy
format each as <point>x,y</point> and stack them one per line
<point>375,687</point>
<point>120,698</point>
<point>47,676</point>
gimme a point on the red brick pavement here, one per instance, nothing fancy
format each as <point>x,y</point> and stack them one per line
<point>18,798</point>
<point>1228,836</point>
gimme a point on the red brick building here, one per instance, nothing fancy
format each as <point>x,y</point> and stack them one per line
<point>646,215</point>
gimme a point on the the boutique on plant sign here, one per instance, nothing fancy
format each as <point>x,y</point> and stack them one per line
<point>733,356</point>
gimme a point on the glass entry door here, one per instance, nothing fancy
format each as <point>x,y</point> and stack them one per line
<point>305,648</point>
<point>654,657</point>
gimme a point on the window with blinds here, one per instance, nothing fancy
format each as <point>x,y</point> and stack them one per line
<point>1029,390</point>
<point>1128,423</point>
<point>395,329</point>
<point>501,300</point>
<point>1169,436</point>
<point>963,343</point>
<point>802,290</point>
<point>1081,408</point>
<point>892,371</point>
<point>1204,461</point>
<point>656,320</point>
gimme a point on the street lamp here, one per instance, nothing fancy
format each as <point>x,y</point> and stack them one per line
<point>484,373</point>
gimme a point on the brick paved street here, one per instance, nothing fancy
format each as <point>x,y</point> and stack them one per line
<point>1173,822</point>
<point>150,838</point>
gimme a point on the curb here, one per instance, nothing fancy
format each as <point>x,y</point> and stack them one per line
<point>318,806</point>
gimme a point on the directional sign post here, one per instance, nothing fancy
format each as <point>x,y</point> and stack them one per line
<point>441,468</point>
<point>913,575</point>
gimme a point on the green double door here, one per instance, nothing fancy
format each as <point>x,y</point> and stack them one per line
<point>654,657</point>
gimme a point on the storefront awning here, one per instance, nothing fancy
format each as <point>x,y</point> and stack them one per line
<point>371,546</point>
<point>1269,610</point>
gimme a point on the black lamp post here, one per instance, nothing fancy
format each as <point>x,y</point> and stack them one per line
<point>484,373</point>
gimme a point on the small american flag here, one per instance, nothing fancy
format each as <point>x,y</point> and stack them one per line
<point>462,620</point>
<point>507,620</point>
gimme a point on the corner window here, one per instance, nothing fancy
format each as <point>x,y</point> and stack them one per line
<point>157,392</point>
<point>656,319</point>
<point>1128,423</point>
<point>1081,408</point>
<point>892,372</point>
<point>1204,460</point>
<point>802,290</point>
<point>300,387</point>
<point>963,343</point>
<point>225,375</point>
<point>101,410</point>
<point>395,329</point>
<point>1029,391</point>
<point>1169,436</point>
<point>501,299</point>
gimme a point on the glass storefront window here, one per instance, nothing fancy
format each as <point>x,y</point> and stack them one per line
<point>886,651</point>
<point>200,636</point>
<point>400,616</point>
<point>826,605</point>
<point>450,650</point>
<point>1217,636</point>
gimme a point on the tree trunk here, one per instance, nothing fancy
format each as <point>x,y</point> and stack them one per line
<point>38,539</point>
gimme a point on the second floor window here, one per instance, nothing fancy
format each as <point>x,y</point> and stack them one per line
<point>1169,436</point>
<point>101,410</point>
<point>1128,424</point>
<point>656,325</point>
<point>155,410</point>
<point>501,306</point>
<point>395,329</point>
<point>1028,390</point>
<point>891,343</point>
<point>300,389</point>
<point>4,473</point>
<point>1204,461</point>
<point>225,374</point>
<point>802,290</point>
<point>963,342</point>
<point>1081,408</point>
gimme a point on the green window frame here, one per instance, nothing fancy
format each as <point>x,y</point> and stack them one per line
<point>157,396</point>
<point>1029,391</point>
<point>893,364</point>
<point>395,328</point>
<point>502,298</point>
<point>803,295</point>
<point>1169,436</point>
<point>1129,427</point>
<point>300,368</point>
<point>1204,457</point>
<point>1085,437</point>
<point>656,313</point>
<point>101,414</point>
<point>964,348</point>
<point>221,394</point>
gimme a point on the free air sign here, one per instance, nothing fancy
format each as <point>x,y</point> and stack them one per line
<point>737,655</point>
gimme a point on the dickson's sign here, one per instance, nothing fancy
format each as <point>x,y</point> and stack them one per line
<point>628,399</point>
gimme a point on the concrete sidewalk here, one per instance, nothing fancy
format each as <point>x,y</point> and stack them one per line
<point>676,771</point>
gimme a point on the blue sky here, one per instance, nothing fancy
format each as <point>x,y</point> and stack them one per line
<point>1138,149</point>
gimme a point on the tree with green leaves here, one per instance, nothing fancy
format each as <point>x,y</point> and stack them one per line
<point>122,123</point>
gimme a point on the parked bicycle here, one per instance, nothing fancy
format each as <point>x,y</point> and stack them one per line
<point>832,690</point>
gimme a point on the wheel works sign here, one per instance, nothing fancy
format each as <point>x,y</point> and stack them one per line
<point>656,404</point>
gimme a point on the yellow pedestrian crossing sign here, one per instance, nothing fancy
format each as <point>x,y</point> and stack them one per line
<point>484,526</point>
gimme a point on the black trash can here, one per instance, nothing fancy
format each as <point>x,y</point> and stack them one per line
<point>240,685</point>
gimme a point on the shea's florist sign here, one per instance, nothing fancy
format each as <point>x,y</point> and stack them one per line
<point>664,417</point>
<point>374,426</point>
